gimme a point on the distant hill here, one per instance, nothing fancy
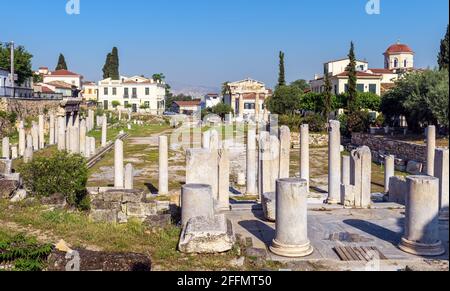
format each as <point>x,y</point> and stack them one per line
<point>194,91</point>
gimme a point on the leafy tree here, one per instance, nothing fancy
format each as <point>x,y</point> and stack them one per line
<point>327,97</point>
<point>22,62</point>
<point>285,100</point>
<point>37,78</point>
<point>281,76</point>
<point>226,89</point>
<point>220,109</point>
<point>352,80</point>
<point>61,63</point>
<point>115,104</point>
<point>301,84</point>
<point>159,77</point>
<point>61,173</point>
<point>181,97</point>
<point>443,54</point>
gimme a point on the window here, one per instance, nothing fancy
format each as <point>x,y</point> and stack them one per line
<point>249,106</point>
<point>405,63</point>
<point>395,63</point>
<point>114,91</point>
<point>147,91</point>
<point>346,88</point>
<point>373,88</point>
<point>360,87</point>
<point>125,93</point>
<point>134,93</point>
<point>105,91</point>
<point>336,90</point>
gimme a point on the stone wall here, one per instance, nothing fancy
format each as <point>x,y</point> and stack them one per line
<point>385,146</point>
<point>315,139</point>
<point>27,107</point>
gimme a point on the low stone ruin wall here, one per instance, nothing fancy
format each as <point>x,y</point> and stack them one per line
<point>315,139</point>
<point>28,107</point>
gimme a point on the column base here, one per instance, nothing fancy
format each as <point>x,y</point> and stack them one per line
<point>332,201</point>
<point>419,249</point>
<point>291,251</point>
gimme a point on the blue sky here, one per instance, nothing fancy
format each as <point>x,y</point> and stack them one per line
<point>207,42</point>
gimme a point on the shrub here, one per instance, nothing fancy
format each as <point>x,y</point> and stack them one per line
<point>316,122</point>
<point>293,121</point>
<point>343,119</point>
<point>379,121</point>
<point>61,173</point>
<point>115,104</point>
<point>358,122</point>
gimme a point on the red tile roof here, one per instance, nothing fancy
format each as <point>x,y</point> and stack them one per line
<point>45,89</point>
<point>60,84</point>
<point>64,73</point>
<point>188,103</point>
<point>399,48</point>
<point>381,71</point>
<point>359,74</point>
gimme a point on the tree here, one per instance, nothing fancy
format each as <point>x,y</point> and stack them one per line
<point>443,54</point>
<point>61,63</point>
<point>285,100</point>
<point>111,67</point>
<point>327,98</point>
<point>301,84</point>
<point>220,109</point>
<point>22,61</point>
<point>159,77</point>
<point>115,104</point>
<point>281,75</point>
<point>352,80</point>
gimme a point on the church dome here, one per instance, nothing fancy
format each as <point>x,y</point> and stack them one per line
<point>399,48</point>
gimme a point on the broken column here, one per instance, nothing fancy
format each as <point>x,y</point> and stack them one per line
<point>22,138</point>
<point>206,139</point>
<point>202,168</point>
<point>74,140</point>
<point>41,132</point>
<point>291,239</point>
<point>104,130</point>
<point>441,171</point>
<point>51,135</point>
<point>285,151</point>
<point>118,164</point>
<point>87,147</point>
<point>14,152</point>
<point>92,148</point>
<point>421,235</point>
<point>345,173</point>
<point>163,184</point>
<point>334,163</point>
<point>265,181</point>
<point>431,149</point>
<point>35,135</point>
<point>223,201</point>
<point>252,167</point>
<point>129,177</point>
<point>389,171</point>
<point>82,137</point>
<point>61,133</point>
<point>358,193</point>
<point>196,200</point>
<point>5,148</point>
<point>28,154</point>
<point>304,152</point>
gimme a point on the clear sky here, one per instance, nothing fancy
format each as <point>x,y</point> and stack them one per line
<point>207,42</point>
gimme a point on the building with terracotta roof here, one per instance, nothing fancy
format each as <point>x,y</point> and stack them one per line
<point>138,93</point>
<point>187,107</point>
<point>398,59</point>
<point>65,76</point>
<point>90,91</point>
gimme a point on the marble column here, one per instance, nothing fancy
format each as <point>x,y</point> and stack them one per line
<point>223,201</point>
<point>334,163</point>
<point>441,171</point>
<point>252,167</point>
<point>129,177</point>
<point>52,139</point>
<point>35,135</point>
<point>28,155</point>
<point>14,152</point>
<point>29,142</point>
<point>82,137</point>
<point>61,133</point>
<point>304,152</point>
<point>206,139</point>
<point>345,176</point>
<point>104,130</point>
<point>285,152</point>
<point>265,177</point>
<point>92,148</point>
<point>118,164</point>
<point>361,177</point>
<point>5,148</point>
<point>41,132</point>
<point>87,147</point>
<point>163,181</point>
<point>214,140</point>
<point>421,235</point>
<point>431,149</point>
<point>74,140</point>
<point>389,171</point>
<point>291,239</point>
<point>22,138</point>
<point>196,201</point>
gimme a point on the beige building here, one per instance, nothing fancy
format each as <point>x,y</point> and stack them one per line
<point>90,91</point>
<point>65,76</point>
<point>247,98</point>
<point>398,59</point>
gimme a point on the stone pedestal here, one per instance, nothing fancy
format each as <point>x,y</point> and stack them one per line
<point>389,171</point>
<point>334,163</point>
<point>431,148</point>
<point>441,171</point>
<point>118,165</point>
<point>252,157</point>
<point>285,152</point>
<point>223,201</point>
<point>304,152</point>
<point>104,130</point>
<point>202,168</point>
<point>422,217</point>
<point>129,177</point>
<point>196,201</point>
<point>291,238</point>
<point>5,148</point>
<point>163,184</point>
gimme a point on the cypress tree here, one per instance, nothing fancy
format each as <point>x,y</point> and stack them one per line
<point>443,54</point>
<point>327,97</point>
<point>281,76</point>
<point>61,63</point>
<point>114,64</point>
<point>106,67</point>
<point>352,80</point>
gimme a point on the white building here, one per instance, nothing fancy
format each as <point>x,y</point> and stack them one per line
<point>210,100</point>
<point>65,76</point>
<point>247,98</point>
<point>8,90</point>
<point>138,93</point>
<point>398,59</point>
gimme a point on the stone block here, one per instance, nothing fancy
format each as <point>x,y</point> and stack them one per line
<point>5,167</point>
<point>113,196</point>
<point>135,210</point>
<point>269,206</point>
<point>207,235</point>
<point>56,200</point>
<point>104,215</point>
<point>7,188</point>
<point>19,195</point>
<point>397,190</point>
<point>414,168</point>
<point>132,196</point>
